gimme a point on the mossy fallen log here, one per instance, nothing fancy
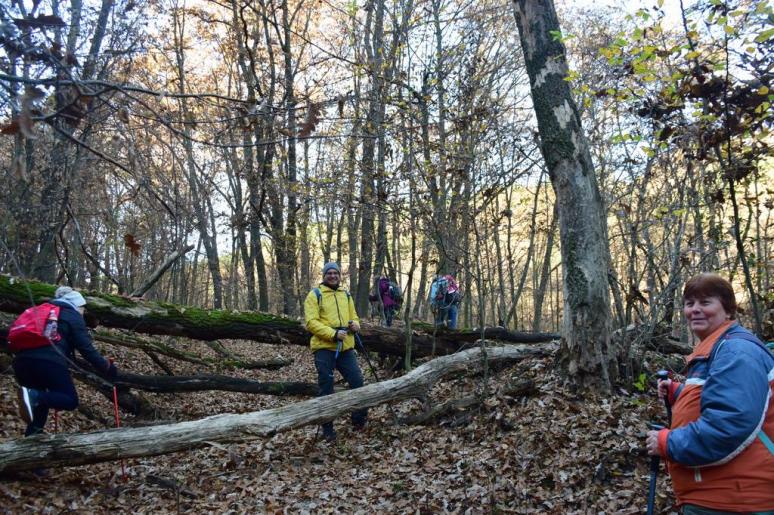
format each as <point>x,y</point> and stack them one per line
<point>147,317</point>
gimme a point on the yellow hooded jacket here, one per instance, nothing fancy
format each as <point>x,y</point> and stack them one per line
<point>334,310</point>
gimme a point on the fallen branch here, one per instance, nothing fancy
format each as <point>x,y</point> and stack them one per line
<point>156,275</point>
<point>146,345</point>
<point>59,450</point>
<point>447,408</point>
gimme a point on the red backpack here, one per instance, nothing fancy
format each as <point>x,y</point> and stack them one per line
<point>34,328</point>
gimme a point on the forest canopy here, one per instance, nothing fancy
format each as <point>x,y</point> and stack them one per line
<point>395,138</point>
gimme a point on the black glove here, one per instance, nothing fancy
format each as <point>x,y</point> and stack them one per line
<point>111,372</point>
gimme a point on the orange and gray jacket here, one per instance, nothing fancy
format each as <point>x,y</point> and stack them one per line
<point>327,312</point>
<point>720,449</point>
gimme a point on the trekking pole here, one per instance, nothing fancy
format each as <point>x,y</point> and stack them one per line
<point>655,460</point>
<point>118,422</point>
<point>654,464</point>
<point>365,352</point>
<point>663,375</point>
<point>336,356</point>
<point>338,349</point>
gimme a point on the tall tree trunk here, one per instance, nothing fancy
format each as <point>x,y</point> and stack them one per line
<point>285,246</point>
<point>587,355</point>
<point>545,273</point>
<point>371,130</point>
<point>199,200</point>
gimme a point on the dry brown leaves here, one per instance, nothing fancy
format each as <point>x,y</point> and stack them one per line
<point>550,452</point>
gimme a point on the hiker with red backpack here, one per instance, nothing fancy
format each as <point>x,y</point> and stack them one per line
<point>44,340</point>
<point>330,316</point>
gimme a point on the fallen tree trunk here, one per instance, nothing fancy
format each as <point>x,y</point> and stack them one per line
<point>57,450</point>
<point>127,401</point>
<point>16,295</point>
<point>202,382</point>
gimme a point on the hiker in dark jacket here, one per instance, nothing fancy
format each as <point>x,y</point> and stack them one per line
<point>43,373</point>
<point>388,302</point>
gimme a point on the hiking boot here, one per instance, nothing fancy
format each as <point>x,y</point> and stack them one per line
<point>28,399</point>
<point>329,435</point>
<point>40,473</point>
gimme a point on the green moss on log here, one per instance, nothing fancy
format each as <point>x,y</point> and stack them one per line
<point>118,311</point>
<point>21,290</point>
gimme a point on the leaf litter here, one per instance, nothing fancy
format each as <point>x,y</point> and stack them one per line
<point>550,450</point>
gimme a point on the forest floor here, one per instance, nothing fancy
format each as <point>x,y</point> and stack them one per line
<point>549,451</point>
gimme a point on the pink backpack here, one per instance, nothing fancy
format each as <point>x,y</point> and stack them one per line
<point>29,331</point>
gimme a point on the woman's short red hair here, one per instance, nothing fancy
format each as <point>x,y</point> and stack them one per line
<point>712,285</point>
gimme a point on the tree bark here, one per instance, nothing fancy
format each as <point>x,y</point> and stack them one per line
<point>57,450</point>
<point>588,357</point>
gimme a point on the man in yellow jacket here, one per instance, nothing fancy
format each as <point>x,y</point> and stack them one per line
<point>331,318</point>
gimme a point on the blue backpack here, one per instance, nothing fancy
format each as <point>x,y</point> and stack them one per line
<point>438,291</point>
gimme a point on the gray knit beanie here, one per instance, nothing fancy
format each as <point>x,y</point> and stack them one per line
<point>331,266</point>
<point>70,296</point>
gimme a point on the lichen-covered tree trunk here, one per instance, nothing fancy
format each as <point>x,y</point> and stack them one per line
<point>586,355</point>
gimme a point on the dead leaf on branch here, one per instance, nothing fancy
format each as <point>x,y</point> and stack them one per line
<point>11,128</point>
<point>340,101</point>
<point>123,115</point>
<point>312,119</point>
<point>132,244</point>
<point>32,93</point>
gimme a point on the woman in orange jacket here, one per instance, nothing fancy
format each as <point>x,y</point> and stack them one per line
<point>719,449</point>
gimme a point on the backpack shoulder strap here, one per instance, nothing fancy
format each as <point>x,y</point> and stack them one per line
<point>318,294</point>
<point>743,336</point>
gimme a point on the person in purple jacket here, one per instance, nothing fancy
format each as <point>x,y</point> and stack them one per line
<point>43,373</point>
<point>389,304</point>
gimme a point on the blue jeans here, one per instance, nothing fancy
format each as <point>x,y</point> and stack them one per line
<point>54,386</point>
<point>453,316</point>
<point>325,361</point>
